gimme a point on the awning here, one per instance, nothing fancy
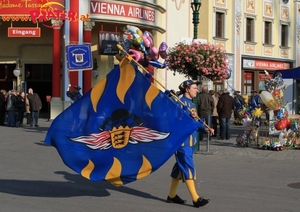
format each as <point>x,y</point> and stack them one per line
<point>293,73</point>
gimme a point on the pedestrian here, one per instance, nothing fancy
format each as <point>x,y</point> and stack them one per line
<point>184,168</point>
<point>239,104</point>
<point>2,107</point>
<point>21,108</point>
<point>11,108</point>
<point>75,95</point>
<point>254,102</point>
<point>214,116</point>
<point>205,108</point>
<point>28,115</point>
<point>35,105</point>
<point>225,107</point>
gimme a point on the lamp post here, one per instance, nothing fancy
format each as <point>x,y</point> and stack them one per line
<point>17,71</point>
<point>195,5</point>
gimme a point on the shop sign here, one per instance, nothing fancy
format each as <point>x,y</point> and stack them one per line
<point>79,57</point>
<point>42,13</point>
<point>28,32</point>
<point>108,43</point>
<point>123,10</point>
<point>248,76</point>
<point>46,13</point>
<point>265,64</point>
<point>22,7</point>
<point>263,77</point>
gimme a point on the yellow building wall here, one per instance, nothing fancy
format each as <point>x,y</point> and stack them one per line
<point>276,18</point>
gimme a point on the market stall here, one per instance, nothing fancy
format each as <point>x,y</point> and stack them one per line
<point>279,97</point>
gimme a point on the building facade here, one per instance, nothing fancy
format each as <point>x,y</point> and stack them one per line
<point>257,35</point>
<point>38,44</point>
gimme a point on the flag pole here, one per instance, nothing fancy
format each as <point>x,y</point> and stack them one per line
<point>131,59</point>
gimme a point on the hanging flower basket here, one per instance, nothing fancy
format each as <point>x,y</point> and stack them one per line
<point>197,60</point>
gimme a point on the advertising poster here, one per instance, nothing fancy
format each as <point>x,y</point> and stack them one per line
<point>108,43</point>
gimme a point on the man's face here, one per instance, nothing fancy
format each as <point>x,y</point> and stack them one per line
<point>193,90</point>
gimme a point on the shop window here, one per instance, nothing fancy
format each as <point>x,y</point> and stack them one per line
<point>250,30</point>
<point>220,18</point>
<point>284,35</point>
<point>262,77</point>
<point>218,86</point>
<point>248,82</point>
<point>268,32</point>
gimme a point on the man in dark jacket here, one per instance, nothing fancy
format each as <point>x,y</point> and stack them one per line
<point>11,109</point>
<point>225,107</point>
<point>206,108</point>
<point>35,106</point>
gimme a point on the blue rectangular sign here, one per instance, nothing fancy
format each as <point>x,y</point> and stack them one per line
<point>79,57</point>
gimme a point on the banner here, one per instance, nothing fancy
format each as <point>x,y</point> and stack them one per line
<point>122,130</point>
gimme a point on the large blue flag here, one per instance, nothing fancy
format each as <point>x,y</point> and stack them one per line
<point>122,130</point>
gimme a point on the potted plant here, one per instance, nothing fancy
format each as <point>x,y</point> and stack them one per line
<point>198,59</point>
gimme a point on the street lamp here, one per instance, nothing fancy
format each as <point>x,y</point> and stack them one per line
<point>17,71</point>
<point>195,5</point>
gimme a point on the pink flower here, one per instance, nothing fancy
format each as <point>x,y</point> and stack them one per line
<point>198,59</point>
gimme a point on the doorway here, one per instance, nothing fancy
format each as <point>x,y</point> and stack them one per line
<point>39,78</point>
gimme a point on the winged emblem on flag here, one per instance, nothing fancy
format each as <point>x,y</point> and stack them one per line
<point>120,136</point>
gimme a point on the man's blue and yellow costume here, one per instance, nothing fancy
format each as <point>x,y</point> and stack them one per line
<point>75,95</point>
<point>184,168</point>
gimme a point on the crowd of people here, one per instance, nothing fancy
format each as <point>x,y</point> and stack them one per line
<point>14,105</point>
<point>217,108</point>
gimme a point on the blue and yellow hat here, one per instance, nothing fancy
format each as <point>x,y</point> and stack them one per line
<point>187,83</point>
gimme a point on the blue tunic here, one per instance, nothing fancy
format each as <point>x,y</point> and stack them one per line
<point>254,102</point>
<point>184,168</point>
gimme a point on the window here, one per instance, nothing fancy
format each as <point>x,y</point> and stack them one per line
<point>248,82</point>
<point>219,25</point>
<point>218,86</point>
<point>268,32</point>
<point>250,29</point>
<point>262,77</point>
<point>284,35</point>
